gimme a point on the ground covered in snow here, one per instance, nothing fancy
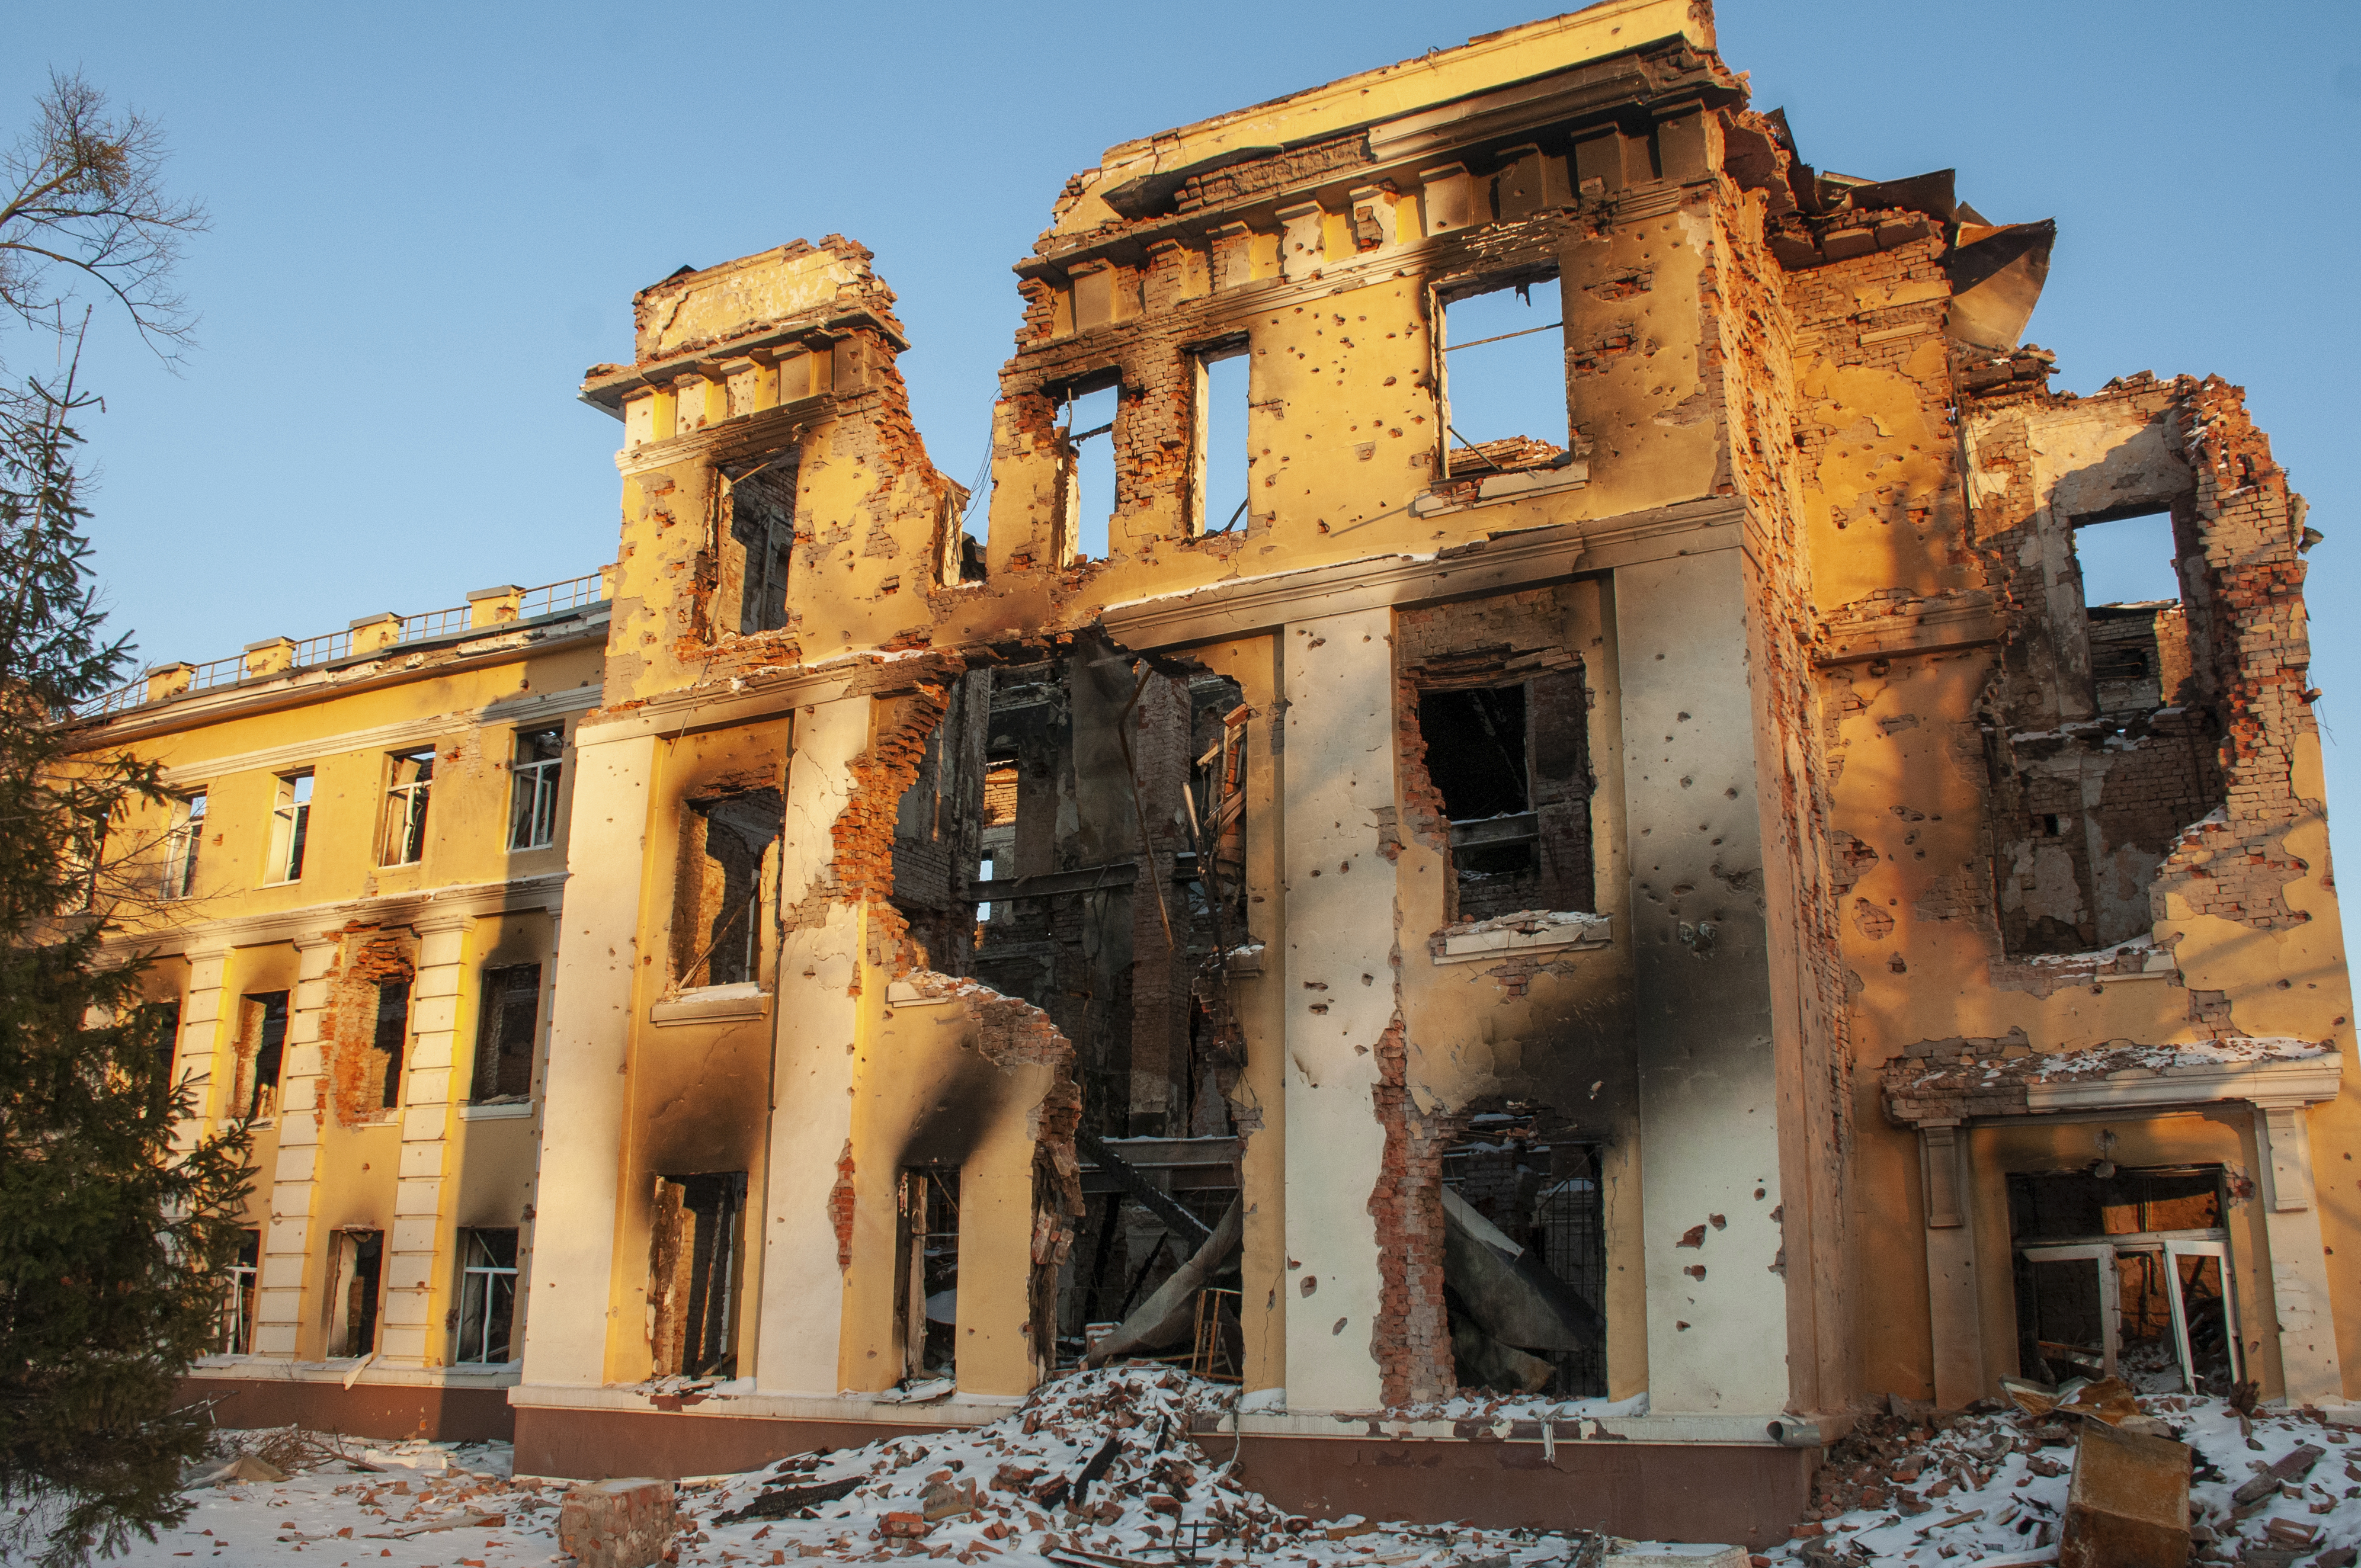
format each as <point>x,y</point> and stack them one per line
<point>1012,1491</point>
<point>1990,1487</point>
<point>1094,1472</point>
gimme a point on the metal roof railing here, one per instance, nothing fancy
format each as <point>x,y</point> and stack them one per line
<point>550,599</point>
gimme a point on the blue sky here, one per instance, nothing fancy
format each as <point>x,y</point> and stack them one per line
<point>428,220</point>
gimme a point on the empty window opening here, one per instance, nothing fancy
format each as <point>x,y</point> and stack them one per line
<point>266,1050</point>
<point>355,1265</point>
<point>926,1282</point>
<point>2137,631</point>
<point>183,844</point>
<point>533,790</point>
<point>488,1283</point>
<point>290,826</point>
<point>965,511</point>
<point>1525,1256</point>
<point>2128,560</point>
<point>1124,1254</point>
<point>1504,381</point>
<point>2126,1273</point>
<point>240,1289</point>
<point>386,1043</point>
<point>693,1295</point>
<point>1512,764</point>
<point>1224,458</point>
<point>507,1026</point>
<point>1087,424</point>
<point>410,783</point>
<point>729,873</point>
<point>762,509</point>
<point>997,855</point>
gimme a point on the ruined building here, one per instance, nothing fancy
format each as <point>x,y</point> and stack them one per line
<point>1508,793</point>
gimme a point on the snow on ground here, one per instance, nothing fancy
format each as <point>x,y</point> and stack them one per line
<point>448,1506</point>
<point>1990,1488</point>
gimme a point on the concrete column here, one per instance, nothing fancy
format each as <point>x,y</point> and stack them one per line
<point>1708,1089</point>
<point>197,1053</point>
<point>799,1312</point>
<point>417,1250</point>
<point>1952,1304</point>
<point>2307,1328</point>
<point>1336,780</point>
<point>295,1181</point>
<point>565,1324</point>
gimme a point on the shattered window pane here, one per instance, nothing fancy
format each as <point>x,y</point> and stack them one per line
<point>506,1026</point>
<point>410,781</point>
<point>535,776</point>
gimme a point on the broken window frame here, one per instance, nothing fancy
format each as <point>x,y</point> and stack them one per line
<point>487,1289</point>
<point>352,1330</point>
<point>926,1256</point>
<point>535,776</point>
<point>761,548</point>
<point>183,843</point>
<point>1066,538</point>
<point>740,928</point>
<point>291,828</point>
<point>410,785</point>
<point>1441,297</point>
<point>264,1064</point>
<point>695,1247</point>
<point>2171,1246</point>
<point>1201,359</point>
<point>505,1051</point>
<point>241,1289</point>
<point>2082,1238</point>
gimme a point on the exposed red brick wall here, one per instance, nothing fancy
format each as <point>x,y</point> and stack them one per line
<point>1412,1335</point>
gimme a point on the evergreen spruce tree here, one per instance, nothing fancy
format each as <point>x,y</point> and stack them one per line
<point>112,1236</point>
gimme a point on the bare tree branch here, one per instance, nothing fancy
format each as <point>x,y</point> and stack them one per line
<point>81,201</point>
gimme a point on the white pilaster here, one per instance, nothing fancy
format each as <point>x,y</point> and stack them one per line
<point>408,1334</point>
<point>295,1177</point>
<point>1709,1155</point>
<point>800,1312</point>
<point>1337,779</point>
<point>589,1058</point>
<point>2307,1328</point>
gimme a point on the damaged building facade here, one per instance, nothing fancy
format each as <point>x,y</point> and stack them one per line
<point>1506,822</point>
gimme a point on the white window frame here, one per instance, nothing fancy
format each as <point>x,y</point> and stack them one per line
<point>238,1337</point>
<point>182,844</point>
<point>2174,1247</point>
<point>406,802</point>
<point>490,1273</point>
<point>533,803</point>
<point>290,826</point>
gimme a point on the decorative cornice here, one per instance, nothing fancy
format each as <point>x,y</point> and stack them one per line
<point>468,901</point>
<point>1248,605</point>
<point>386,737</point>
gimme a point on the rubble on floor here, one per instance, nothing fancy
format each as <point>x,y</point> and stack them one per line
<point>1095,1470</point>
<point>2272,1489</point>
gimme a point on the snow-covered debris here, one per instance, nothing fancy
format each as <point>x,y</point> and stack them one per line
<point>1095,1470</point>
<point>1989,1487</point>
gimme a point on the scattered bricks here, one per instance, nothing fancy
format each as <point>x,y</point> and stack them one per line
<point>2294,1466</point>
<point>618,1524</point>
<point>943,1499</point>
<point>905,1527</point>
<point>2128,1501</point>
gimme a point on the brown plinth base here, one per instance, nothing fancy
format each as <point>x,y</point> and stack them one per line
<point>1748,1496</point>
<point>1649,1491</point>
<point>599,1445</point>
<point>366,1409</point>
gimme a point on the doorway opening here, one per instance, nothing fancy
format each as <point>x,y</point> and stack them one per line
<point>2126,1273</point>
